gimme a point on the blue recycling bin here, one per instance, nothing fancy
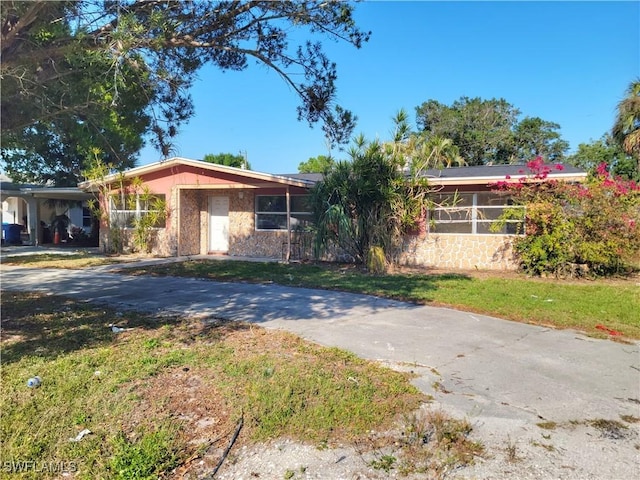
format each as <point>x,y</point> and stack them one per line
<point>11,233</point>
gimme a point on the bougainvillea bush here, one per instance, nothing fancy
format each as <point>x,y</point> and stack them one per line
<point>574,228</point>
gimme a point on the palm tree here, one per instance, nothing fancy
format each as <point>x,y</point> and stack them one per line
<point>442,153</point>
<point>626,129</point>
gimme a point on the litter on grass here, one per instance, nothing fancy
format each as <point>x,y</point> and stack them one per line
<point>81,435</point>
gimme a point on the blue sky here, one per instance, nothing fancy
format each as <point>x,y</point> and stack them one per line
<point>566,62</point>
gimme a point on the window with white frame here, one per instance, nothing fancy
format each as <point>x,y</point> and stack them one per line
<point>473,213</point>
<point>271,212</point>
<point>126,208</point>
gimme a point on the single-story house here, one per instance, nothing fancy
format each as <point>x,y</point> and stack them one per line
<point>210,208</point>
<point>218,209</point>
<point>34,207</point>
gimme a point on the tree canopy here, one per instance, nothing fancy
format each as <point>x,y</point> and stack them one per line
<point>318,164</point>
<point>605,151</point>
<point>69,65</point>
<point>228,159</point>
<point>488,131</point>
<point>534,137</point>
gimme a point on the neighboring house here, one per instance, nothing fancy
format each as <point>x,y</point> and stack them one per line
<point>218,209</point>
<point>36,206</point>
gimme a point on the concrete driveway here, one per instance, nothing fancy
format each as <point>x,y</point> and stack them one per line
<point>504,376</point>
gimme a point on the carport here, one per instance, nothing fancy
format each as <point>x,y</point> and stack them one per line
<point>33,197</point>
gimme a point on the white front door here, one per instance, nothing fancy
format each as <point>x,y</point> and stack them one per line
<point>218,224</point>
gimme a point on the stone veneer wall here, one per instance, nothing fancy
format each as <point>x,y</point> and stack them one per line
<point>244,240</point>
<point>466,252</point>
<point>190,222</point>
<point>160,243</point>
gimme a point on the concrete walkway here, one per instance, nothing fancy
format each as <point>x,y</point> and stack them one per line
<point>504,376</point>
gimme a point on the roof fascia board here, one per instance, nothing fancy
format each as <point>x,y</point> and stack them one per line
<point>231,186</point>
<point>48,192</point>
<point>176,161</point>
<point>486,180</point>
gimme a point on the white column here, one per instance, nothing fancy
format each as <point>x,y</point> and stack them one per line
<point>33,220</point>
<point>288,256</point>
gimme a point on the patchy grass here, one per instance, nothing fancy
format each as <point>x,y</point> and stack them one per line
<point>511,452</point>
<point>433,443</point>
<point>595,307</point>
<point>58,260</point>
<point>611,429</point>
<point>170,390</point>
<point>548,447</point>
<point>606,428</point>
<point>547,425</point>
<point>630,419</point>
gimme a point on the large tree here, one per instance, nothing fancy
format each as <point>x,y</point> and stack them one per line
<point>55,149</point>
<point>489,131</point>
<point>534,137</point>
<point>481,129</point>
<point>626,129</point>
<point>75,61</point>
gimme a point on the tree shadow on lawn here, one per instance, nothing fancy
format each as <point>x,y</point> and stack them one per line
<point>414,288</point>
<point>46,326</point>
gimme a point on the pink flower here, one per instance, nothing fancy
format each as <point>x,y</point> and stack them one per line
<point>536,164</point>
<point>602,169</point>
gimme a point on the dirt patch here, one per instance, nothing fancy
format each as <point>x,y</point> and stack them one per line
<point>188,397</point>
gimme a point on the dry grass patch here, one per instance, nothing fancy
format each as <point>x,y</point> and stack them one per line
<point>56,260</point>
<point>164,397</point>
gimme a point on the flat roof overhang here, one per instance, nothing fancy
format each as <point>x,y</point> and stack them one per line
<point>54,193</point>
<point>487,180</point>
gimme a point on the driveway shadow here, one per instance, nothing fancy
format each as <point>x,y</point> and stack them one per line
<point>49,325</point>
<point>195,297</point>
